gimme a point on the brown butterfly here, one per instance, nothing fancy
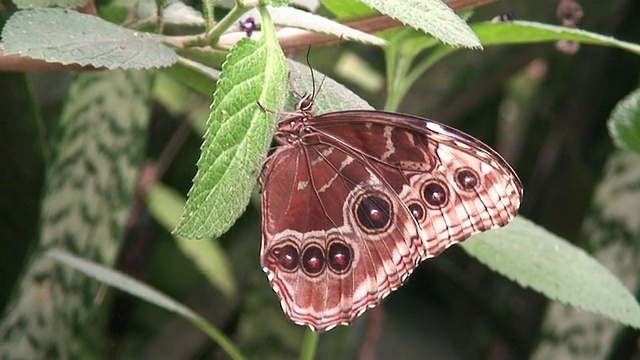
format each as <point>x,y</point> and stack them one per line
<point>355,200</point>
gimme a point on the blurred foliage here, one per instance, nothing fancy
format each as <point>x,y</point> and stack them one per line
<point>546,111</point>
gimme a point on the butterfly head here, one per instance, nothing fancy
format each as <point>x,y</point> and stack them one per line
<point>293,126</point>
<point>305,105</point>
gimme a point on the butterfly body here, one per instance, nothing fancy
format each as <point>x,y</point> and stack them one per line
<point>355,200</point>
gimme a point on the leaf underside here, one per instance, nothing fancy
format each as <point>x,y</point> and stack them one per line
<point>69,37</point>
<point>535,258</point>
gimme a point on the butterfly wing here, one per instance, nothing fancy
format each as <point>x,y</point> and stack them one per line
<point>454,184</point>
<point>321,249</point>
<point>353,206</point>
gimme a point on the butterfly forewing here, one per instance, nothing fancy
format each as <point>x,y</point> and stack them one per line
<point>456,185</point>
<point>356,199</point>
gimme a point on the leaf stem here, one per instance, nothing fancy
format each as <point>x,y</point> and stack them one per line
<point>233,16</point>
<point>397,69</point>
<point>208,7</point>
<point>309,345</point>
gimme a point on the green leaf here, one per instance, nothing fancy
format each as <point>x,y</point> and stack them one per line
<point>526,32</point>
<point>166,206</point>
<point>431,16</point>
<point>535,258</point>
<point>34,4</point>
<point>610,232</point>
<point>134,287</point>
<point>348,9</point>
<point>68,37</point>
<point>405,45</point>
<point>624,123</point>
<point>89,190</point>
<point>288,16</point>
<point>238,136</point>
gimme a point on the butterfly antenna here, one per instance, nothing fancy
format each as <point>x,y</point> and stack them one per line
<point>321,82</point>
<point>313,79</point>
<point>333,62</point>
<point>314,92</point>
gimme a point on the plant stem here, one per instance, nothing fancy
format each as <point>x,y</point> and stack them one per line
<point>214,34</point>
<point>309,345</point>
<point>208,7</point>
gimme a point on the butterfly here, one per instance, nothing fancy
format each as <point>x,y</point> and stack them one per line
<point>354,200</point>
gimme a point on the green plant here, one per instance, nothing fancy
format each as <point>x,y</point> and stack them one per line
<point>94,158</point>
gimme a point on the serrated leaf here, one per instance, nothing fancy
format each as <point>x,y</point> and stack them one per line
<point>624,123</point>
<point>610,231</point>
<point>166,206</point>
<point>535,258</point>
<point>134,287</point>
<point>89,189</point>
<point>526,32</point>
<point>69,37</point>
<point>292,17</point>
<point>431,16</point>
<point>34,4</point>
<point>404,44</point>
<point>238,136</point>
